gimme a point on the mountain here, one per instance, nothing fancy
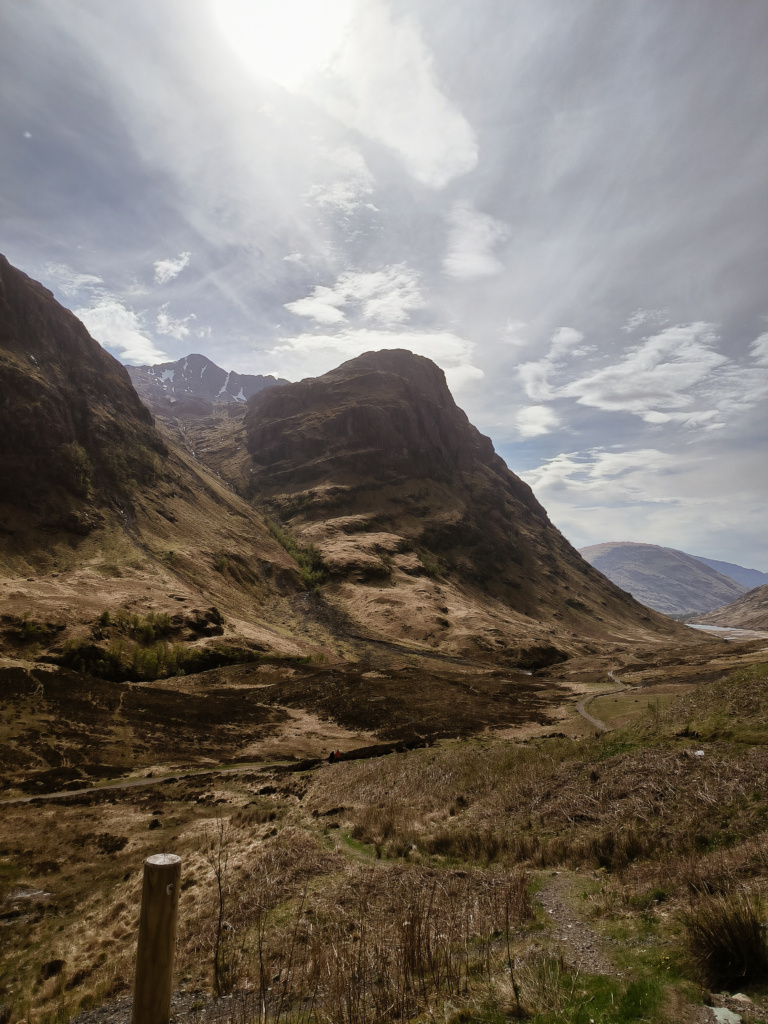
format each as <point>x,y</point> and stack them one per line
<point>193,384</point>
<point>74,433</point>
<point>747,612</point>
<point>102,518</point>
<point>126,551</point>
<point>424,532</point>
<point>662,578</point>
<point>748,578</point>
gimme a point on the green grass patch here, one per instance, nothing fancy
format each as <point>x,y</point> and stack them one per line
<point>311,566</point>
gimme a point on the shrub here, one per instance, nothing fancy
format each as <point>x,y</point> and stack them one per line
<point>727,942</point>
<point>311,565</point>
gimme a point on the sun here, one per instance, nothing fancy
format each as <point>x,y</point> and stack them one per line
<point>287,41</point>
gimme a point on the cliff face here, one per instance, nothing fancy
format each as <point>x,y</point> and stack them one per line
<point>384,417</point>
<point>73,432</point>
<point>376,465</point>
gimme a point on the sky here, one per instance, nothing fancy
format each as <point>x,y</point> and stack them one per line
<point>564,203</point>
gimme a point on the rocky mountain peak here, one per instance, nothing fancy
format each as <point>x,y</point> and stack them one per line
<point>383,416</point>
<point>417,519</point>
<point>198,383</point>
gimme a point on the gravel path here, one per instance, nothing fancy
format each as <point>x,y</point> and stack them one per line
<point>586,950</point>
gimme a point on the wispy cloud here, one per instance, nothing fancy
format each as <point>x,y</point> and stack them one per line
<point>382,83</point>
<point>168,269</point>
<point>69,281</point>
<point>121,329</point>
<point>176,327</point>
<point>537,375</point>
<point>626,472</point>
<point>350,186</point>
<point>384,297</point>
<point>675,376</point>
<point>471,242</point>
<point>759,350</point>
<point>644,316</point>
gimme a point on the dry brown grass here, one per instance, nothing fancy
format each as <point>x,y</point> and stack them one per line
<point>308,936</point>
<point>603,803</point>
<point>316,927</point>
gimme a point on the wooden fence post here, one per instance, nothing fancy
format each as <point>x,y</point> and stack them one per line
<point>157,936</point>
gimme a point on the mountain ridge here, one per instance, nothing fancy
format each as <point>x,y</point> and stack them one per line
<point>194,384</point>
<point>749,578</point>
<point>670,581</point>
<point>747,612</point>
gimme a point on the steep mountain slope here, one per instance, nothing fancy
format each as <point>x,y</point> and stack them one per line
<point>748,612</point>
<point>749,578</point>
<point>425,533</point>
<point>74,436</point>
<point>100,514</point>
<point>662,578</point>
<point>194,384</point>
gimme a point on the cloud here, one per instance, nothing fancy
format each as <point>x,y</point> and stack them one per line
<point>384,86</point>
<point>674,376</point>
<point>167,270</point>
<point>710,504</point>
<point>591,473</point>
<point>350,190</point>
<point>364,67</point>
<point>176,327</point>
<point>471,241</point>
<point>535,420</point>
<point>70,281</point>
<point>385,297</point>
<point>644,316</point>
<point>536,375</point>
<point>117,327</point>
<point>759,350</point>
<point>314,354</point>
<point>661,374</point>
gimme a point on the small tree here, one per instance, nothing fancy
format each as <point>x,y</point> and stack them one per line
<point>217,856</point>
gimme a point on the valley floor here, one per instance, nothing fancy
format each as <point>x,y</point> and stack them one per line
<point>526,864</point>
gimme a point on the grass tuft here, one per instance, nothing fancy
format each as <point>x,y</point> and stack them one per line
<point>727,942</point>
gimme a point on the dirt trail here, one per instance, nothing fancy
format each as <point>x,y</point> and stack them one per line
<point>583,947</point>
<point>581,707</point>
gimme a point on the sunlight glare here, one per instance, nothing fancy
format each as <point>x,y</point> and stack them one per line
<point>285,40</point>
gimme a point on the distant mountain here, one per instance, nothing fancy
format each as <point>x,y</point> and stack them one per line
<point>198,383</point>
<point>748,578</point>
<point>748,612</point>
<point>670,581</point>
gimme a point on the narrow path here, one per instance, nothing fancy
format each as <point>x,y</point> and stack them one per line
<point>581,707</point>
<point>585,948</point>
